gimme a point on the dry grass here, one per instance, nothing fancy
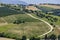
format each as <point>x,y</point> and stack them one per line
<point>5,38</point>
<point>30,29</point>
<point>52,6</point>
<point>31,8</point>
<point>57,30</point>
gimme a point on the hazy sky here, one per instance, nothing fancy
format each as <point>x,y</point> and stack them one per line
<point>42,1</point>
<point>38,1</point>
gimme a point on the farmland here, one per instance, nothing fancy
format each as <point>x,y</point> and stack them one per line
<point>30,27</point>
<point>52,6</point>
<point>33,21</point>
<point>31,8</point>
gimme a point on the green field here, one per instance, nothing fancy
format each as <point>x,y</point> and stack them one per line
<point>4,11</point>
<point>29,29</point>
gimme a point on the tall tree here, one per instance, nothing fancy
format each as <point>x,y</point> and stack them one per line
<point>46,37</point>
<point>58,37</point>
<point>33,38</point>
<point>52,37</point>
<point>24,38</point>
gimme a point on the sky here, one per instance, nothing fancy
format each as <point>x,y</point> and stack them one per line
<point>42,1</point>
<point>38,1</point>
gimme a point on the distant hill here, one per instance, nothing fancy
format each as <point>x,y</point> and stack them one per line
<point>13,2</point>
<point>49,4</point>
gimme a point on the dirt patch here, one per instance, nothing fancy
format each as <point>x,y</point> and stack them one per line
<point>5,38</point>
<point>1,24</point>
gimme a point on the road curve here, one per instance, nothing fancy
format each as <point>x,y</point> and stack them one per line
<point>51,27</point>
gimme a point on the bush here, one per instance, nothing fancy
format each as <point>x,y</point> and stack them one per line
<point>58,37</point>
<point>18,21</point>
<point>8,35</point>
<point>24,38</point>
<point>33,38</point>
<point>52,37</point>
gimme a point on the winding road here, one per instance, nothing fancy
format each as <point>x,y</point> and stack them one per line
<point>51,27</point>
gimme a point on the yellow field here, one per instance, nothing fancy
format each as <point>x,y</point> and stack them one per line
<point>52,6</point>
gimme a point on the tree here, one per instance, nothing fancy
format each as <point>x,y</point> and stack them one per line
<point>37,38</point>
<point>46,37</point>
<point>18,39</point>
<point>51,23</point>
<point>24,38</point>
<point>55,19</point>
<point>16,22</point>
<point>52,37</point>
<point>58,37</point>
<point>33,38</point>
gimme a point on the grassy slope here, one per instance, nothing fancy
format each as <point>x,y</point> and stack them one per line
<point>29,28</point>
<point>24,17</point>
<point>4,11</point>
<point>32,27</point>
<point>11,15</point>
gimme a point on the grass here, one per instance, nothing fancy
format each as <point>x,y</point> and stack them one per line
<point>6,27</point>
<point>5,11</point>
<point>45,9</point>
<point>29,29</point>
<point>58,22</point>
<point>26,18</point>
<point>10,16</point>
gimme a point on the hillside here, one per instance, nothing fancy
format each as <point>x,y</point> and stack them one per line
<point>19,23</point>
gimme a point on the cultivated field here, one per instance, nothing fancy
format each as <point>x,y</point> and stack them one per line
<point>52,6</point>
<point>31,8</point>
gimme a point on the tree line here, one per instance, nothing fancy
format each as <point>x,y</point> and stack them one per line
<point>14,36</point>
